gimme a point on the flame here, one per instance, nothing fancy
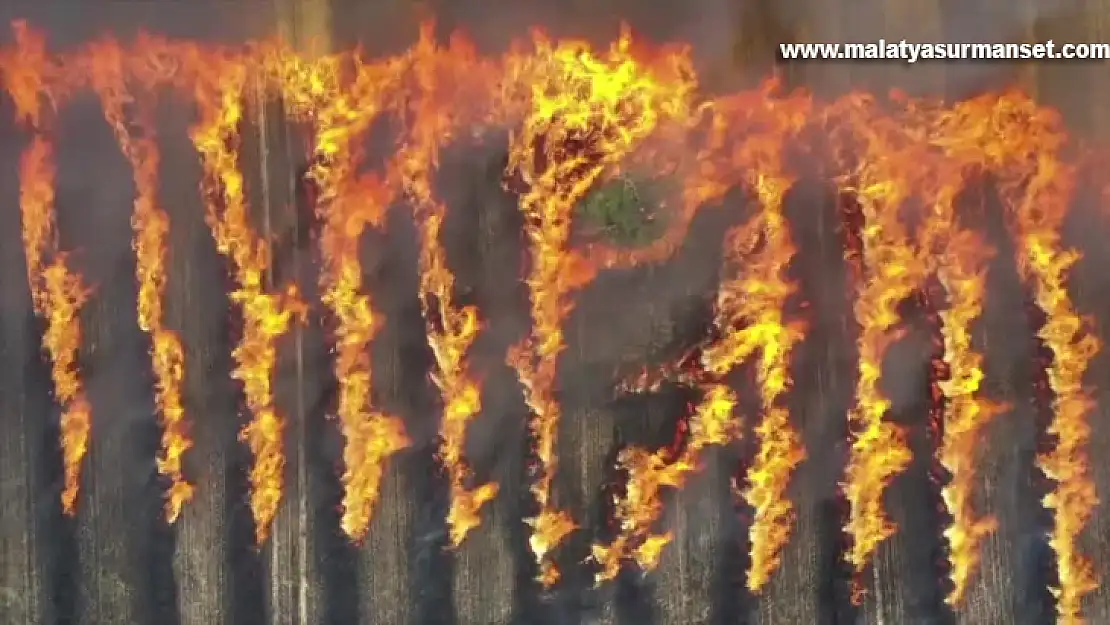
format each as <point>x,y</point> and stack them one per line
<point>36,199</point>
<point>640,506</point>
<point>883,179</point>
<point>751,311</point>
<point>757,124</point>
<point>587,113</point>
<point>218,90</point>
<point>371,435</point>
<point>750,315</point>
<point>960,258</point>
<point>580,117</point>
<point>57,293</point>
<point>758,301</point>
<point>346,205</point>
<point>26,72</point>
<point>965,415</point>
<point>451,329</point>
<point>1010,135</point>
<point>63,295</point>
<point>151,225</point>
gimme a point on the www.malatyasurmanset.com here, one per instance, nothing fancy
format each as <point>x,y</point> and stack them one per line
<point>913,52</point>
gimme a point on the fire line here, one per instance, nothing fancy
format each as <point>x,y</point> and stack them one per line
<point>578,117</point>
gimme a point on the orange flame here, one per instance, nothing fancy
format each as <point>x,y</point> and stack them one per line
<point>451,329</point>
<point>582,117</point>
<point>960,258</point>
<point>965,415</point>
<point>218,91</point>
<point>588,112</point>
<point>1023,143</point>
<point>751,312</point>
<point>640,507</point>
<point>347,205</point>
<point>883,180</point>
<point>371,436</point>
<point>63,295</point>
<point>151,225</point>
<point>57,293</point>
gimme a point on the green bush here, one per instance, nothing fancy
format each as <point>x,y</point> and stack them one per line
<point>626,210</point>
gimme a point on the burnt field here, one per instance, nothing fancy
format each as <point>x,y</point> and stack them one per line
<point>299,339</point>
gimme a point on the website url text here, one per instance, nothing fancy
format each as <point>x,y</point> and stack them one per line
<point>913,52</point>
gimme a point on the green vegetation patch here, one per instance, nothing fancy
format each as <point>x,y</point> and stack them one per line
<point>627,210</point>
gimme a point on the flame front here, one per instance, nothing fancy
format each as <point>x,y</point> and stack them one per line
<point>882,179</point>
<point>751,318</point>
<point>750,313</point>
<point>346,204</point>
<point>960,260</point>
<point>965,415</point>
<point>451,329</point>
<point>579,118</point>
<point>151,225</point>
<point>1023,143</point>
<point>588,112</point>
<point>218,92</point>
<point>56,292</point>
<point>371,435</point>
<point>639,508</point>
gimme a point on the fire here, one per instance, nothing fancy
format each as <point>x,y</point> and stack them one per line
<point>151,225</point>
<point>371,436</point>
<point>960,265</point>
<point>750,319</point>
<point>56,292</point>
<point>346,204</point>
<point>1024,144</point>
<point>883,180</point>
<point>219,87</point>
<point>63,296</point>
<point>451,329</point>
<point>587,113</point>
<point>965,415</point>
<point>641,506</point>
<point>578,117</point>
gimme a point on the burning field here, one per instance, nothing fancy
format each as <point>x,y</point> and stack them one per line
<point>850,372</point>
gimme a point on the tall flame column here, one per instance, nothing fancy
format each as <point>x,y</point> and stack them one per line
<point>293,571</point>
<point>483,585</point>
<point>23,404</point>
